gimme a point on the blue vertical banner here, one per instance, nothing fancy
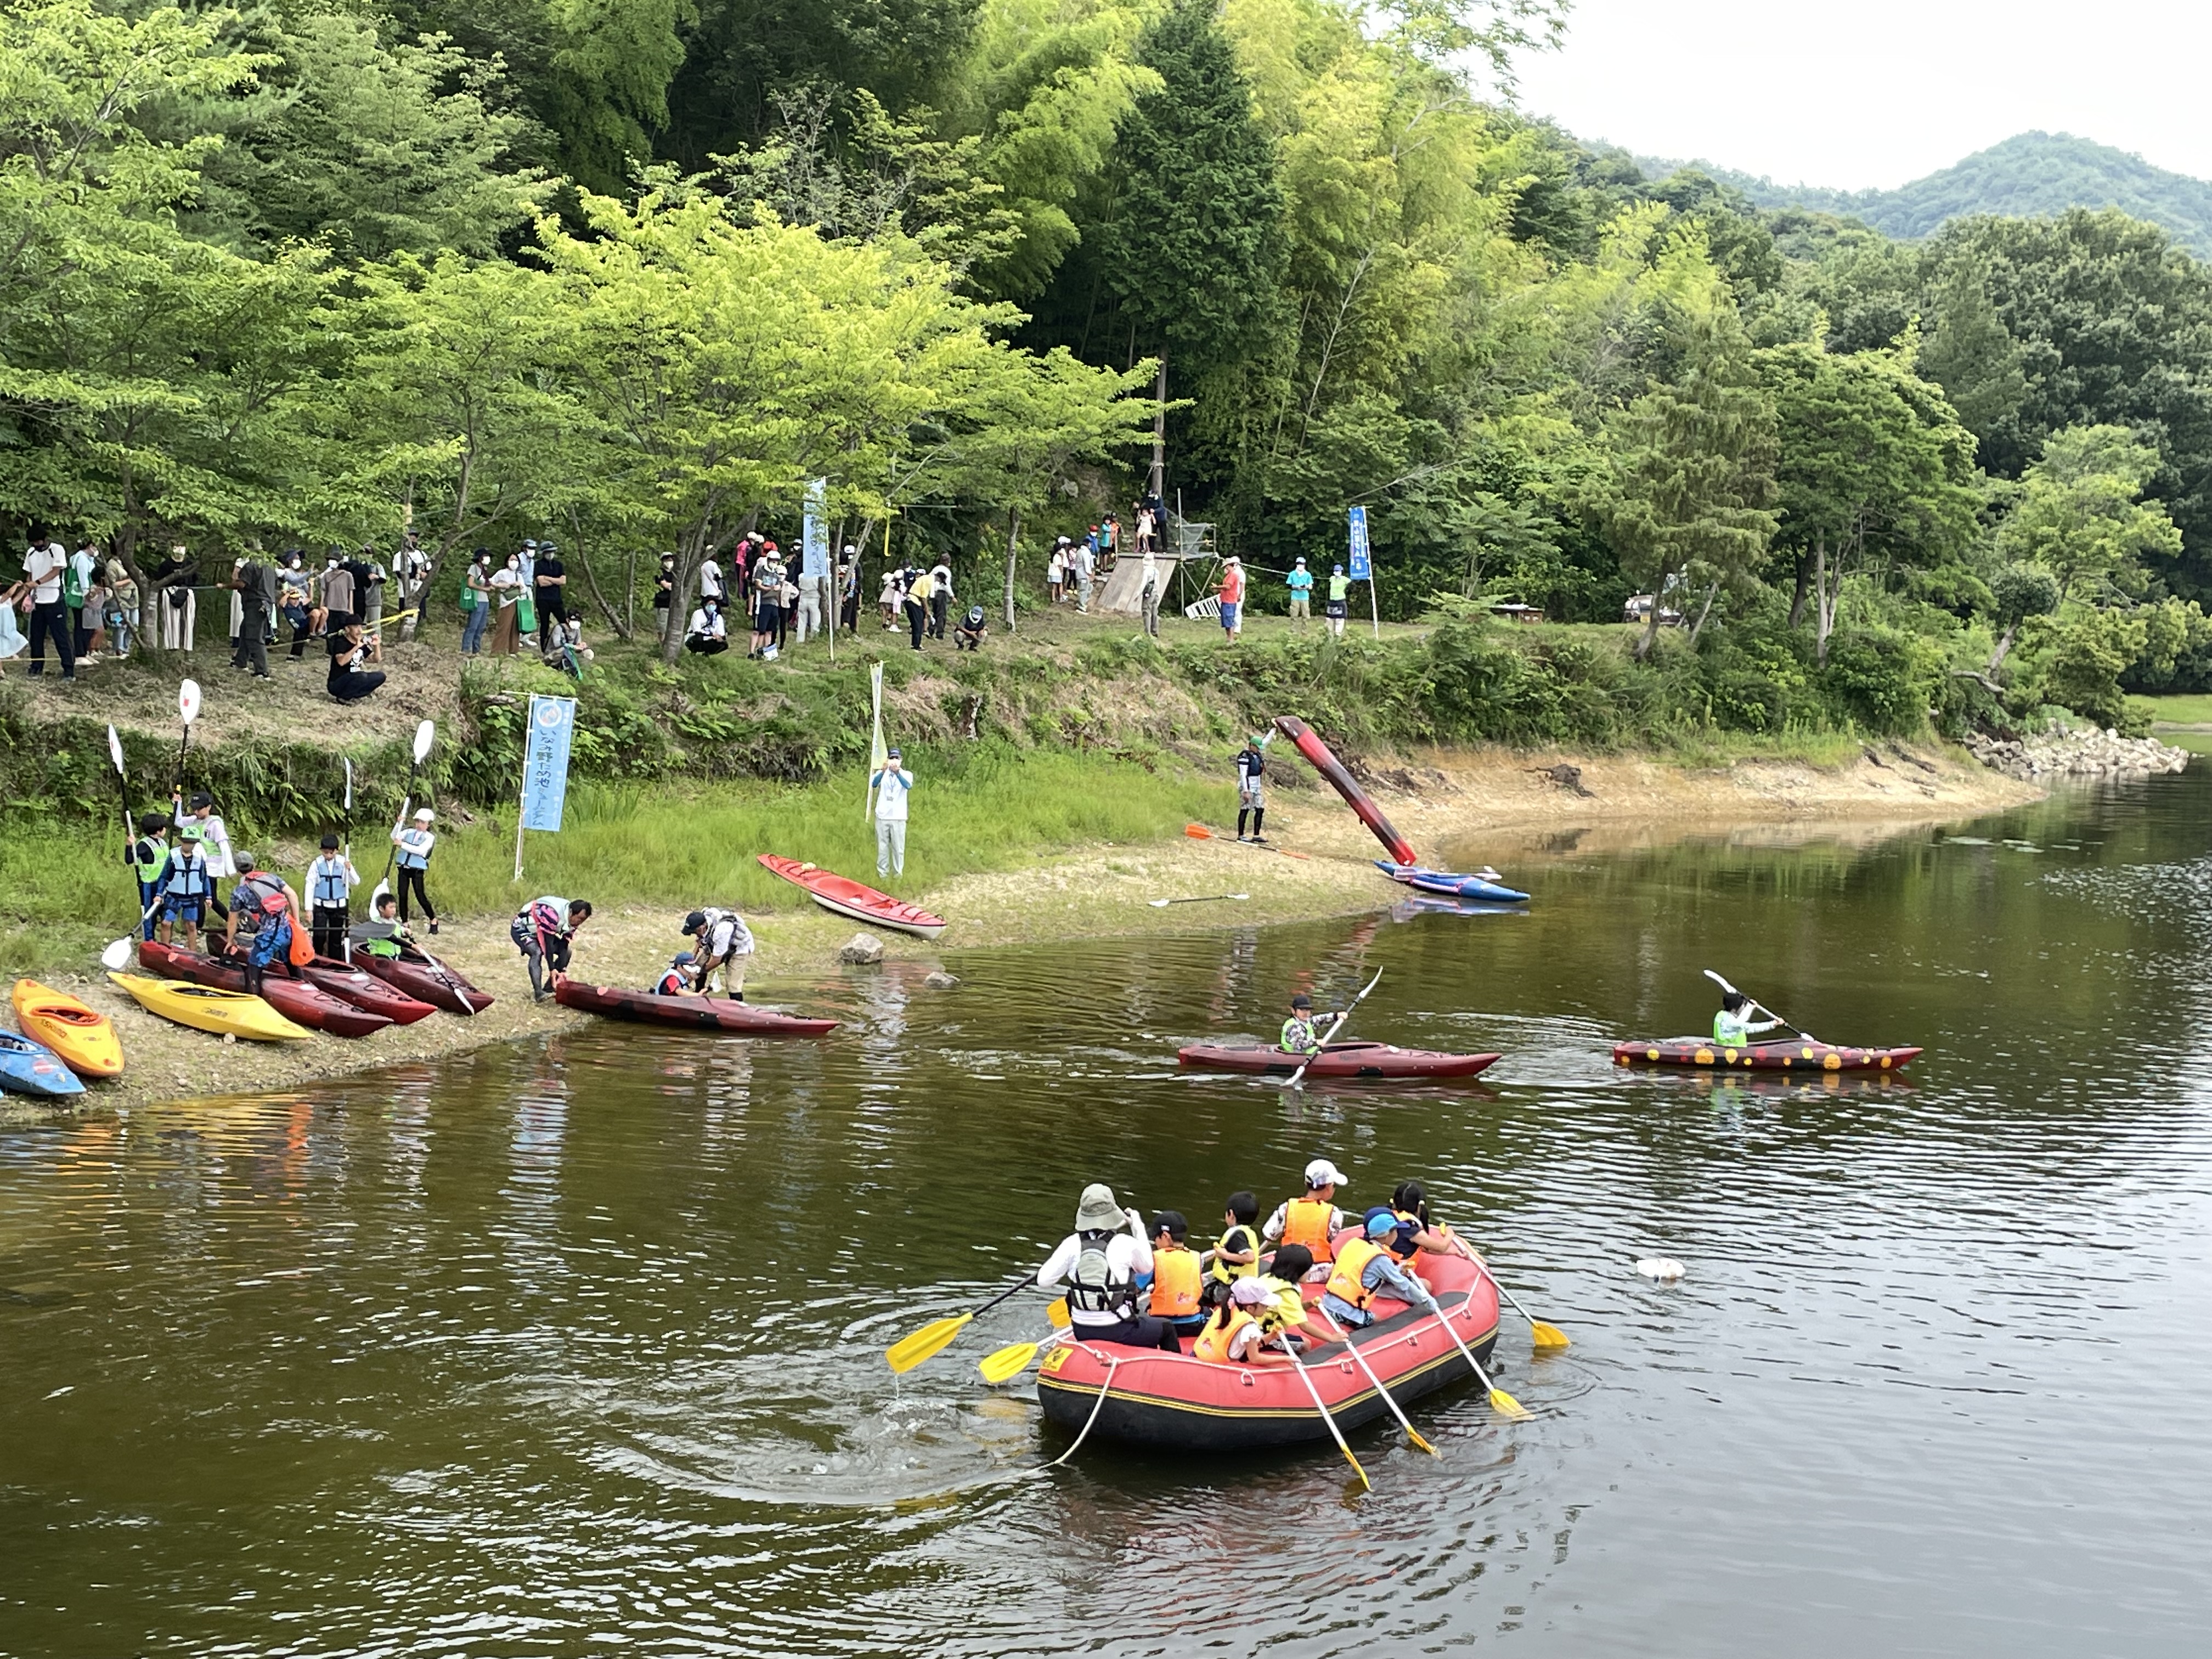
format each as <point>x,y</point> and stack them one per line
<point>814,534</point>
<point>1358,569</point>
<point>552,723</point>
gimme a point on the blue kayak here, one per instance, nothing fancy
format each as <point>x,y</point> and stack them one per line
<point>1449,884</point>
<point>31,1068</point>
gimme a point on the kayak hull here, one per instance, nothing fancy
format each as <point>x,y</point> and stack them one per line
<point>1446,884</point>
<point>362,989</point>
<point>1171,1403</point>
<point>433,983</point>
<point>204,1008</point>
<point>31,1068</point>
<point>1364,1060</point>
<point>1701,1053</point>
<point>83,1037</point>
<point>843,896</point>
<point>684,1012</point>
<point>1318,756</point>
<point>295,999</point>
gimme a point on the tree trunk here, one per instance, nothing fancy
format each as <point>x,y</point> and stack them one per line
<point>1013,539</point>
<point>1160,433</point>
<point>1797,598</point>
<point>690,552</point>
<point>1824,600</point>
<point>2004,647</point>
<point>1705,612</point>
<point>1652,622</point>
<point>591,577</point>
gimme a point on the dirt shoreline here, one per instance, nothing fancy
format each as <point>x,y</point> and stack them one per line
<point>1454,807</point>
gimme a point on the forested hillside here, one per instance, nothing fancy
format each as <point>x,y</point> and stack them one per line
<point>2029,175</point>
<point>635,272</point>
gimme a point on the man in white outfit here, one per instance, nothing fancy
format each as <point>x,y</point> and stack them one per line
<point>810,605</point>
<point>893,784</point>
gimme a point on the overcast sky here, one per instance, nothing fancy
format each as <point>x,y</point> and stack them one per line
<point>1859,93</point>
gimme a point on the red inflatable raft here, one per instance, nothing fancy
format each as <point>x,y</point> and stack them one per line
<point>691,1014</point>
<point>1351,1060</point>
<point>1310,745</point>
<point>1795,1055</point>
<point>295,999</point>
<point>426,980</point>
<point>364,990</point>
<point>846,898</point>
<point>1176,1403</point>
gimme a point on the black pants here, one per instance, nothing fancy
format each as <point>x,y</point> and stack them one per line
<point>299,621</point>
<point>1138,1331</point>
<point>938,605</point>
<point>412,880</point>
<point>87,617</point>
<point>914,616</point>
<point>351,686</point>
<point>252,649</point>
<point>52,617</point>
<point>549,615</point>
<point>329,923</point>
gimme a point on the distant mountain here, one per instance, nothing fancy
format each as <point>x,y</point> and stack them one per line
<point>2031,174</point>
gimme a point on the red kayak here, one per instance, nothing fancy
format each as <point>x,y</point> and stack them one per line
<point>1310,745</point>
<point>295,999</point>
<point>1176,1403</point>
<point>1795,1055</point>
<point>844,897</point>
<point>364,990</point>
<point>691,1014</point>
<point>1353,1059</point>
<point>426,980</point>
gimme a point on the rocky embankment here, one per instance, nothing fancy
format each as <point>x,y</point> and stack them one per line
<point>2083,753</point>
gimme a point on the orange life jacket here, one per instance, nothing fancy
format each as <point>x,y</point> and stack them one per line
<point>1306,1221</point>
<point>1344,1281</point>
<point>1174,1283</point>
<point>1212,1344</point>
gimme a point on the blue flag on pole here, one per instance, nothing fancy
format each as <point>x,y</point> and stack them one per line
<point>546,764</point>
<point>1358,569</point>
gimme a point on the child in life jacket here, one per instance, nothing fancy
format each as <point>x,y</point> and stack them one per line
<point>1285,1310</point>
<point>677,981</point>
<point>1236,1252</point>
<point>148,857</point>
<point>1176,1280</point>
<point>1237,1332</point>
<point>1312,1221</point>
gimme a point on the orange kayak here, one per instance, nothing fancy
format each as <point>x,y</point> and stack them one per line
<point>83,1038</point>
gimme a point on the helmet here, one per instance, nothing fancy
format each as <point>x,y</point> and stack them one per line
<point>694,922</point>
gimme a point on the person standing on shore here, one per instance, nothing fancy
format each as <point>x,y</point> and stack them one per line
<point>1055,570</point>
<point>186,887</point>
<point>1250,798</point>
<point>1149,592</point>
<point>330,881</point>
<point>720,940</point>
<point>414,843</point>
<point>809,603</point>
<point>848,590</point>
<point>1300,582</point>
<point>1232,597</point>
<point>892,783</point>
<point>262,906</point>
<point>148,857</point>
<point>43,568</point>
<point>1339,589</point>
<point>1086,567</point>
<point>544,931</point>
<point>214,836</point>
<point>549,582</point>
<point>917,586</point>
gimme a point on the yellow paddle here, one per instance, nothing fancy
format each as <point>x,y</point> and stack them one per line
<point>1010,1361</point>
<point>1540,1336</point>
<point>1337,1433</point>
<point>1500,1401</point>
<point>1397,1411</point>
<point>931,1340</point>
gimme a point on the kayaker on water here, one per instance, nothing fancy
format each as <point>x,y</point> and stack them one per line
<point>1301,1030</point>
<point>1364,1269</point>
<point>1313,1220</point>
<point>723,942</point>
<point>544,931</point>
<point>1100,1261</point>
<point>1733,1026</point>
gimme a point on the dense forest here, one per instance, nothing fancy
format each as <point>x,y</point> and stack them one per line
<point>636,271</point>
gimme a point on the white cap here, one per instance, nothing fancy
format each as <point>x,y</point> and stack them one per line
<point>424,815</point>
<point>1249,1291</point>
<point>1232,559</point>
<point>1322,1173</point>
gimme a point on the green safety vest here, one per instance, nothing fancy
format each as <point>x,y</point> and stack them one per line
<point>1338,586</point>
<point>147,858</point>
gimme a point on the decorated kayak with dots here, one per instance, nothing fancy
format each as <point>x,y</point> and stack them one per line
<point>1795,1055</point>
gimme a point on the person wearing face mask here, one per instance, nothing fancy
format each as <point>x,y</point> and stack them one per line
<point>664,593</point>
<point>339,594</point>
<point>350,678</point>
<point>507,620</point>
<point>709,636</point>
<point>475,603</point>
<point>292,599</point>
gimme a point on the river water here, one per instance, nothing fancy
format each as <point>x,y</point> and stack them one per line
<point>576,1348</point>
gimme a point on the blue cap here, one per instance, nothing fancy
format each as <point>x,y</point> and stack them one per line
<point>1380,1223</point>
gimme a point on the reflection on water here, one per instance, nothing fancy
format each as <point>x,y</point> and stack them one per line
<point>579,1345</point>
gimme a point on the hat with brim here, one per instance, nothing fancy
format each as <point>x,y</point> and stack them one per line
<point>1098,1211</point>
<point>1247,1292</point>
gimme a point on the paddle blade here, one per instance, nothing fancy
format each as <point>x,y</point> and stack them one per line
<point>1057,1313</point>
<point>926,1343</point>
<point>1198,832</point>
<point>1420,1444</point>
<point>1159,904</point>
<point>1506,1406</point>
<point>1009,1362</point>
<point>349,775</point>
<point>425,735</point>
<point>1366,1484</point>
<point>115,750</point>
<point>1547,1336</point>
<point>188,701</point>
<point>116,956</point>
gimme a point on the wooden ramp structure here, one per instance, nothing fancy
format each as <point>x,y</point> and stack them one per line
<point>1187,542</point>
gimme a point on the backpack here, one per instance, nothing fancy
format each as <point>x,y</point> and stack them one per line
<point>1090,1286</point>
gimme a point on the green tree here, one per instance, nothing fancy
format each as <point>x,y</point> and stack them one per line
<point>2080,514</point>
<point>1969,355</point>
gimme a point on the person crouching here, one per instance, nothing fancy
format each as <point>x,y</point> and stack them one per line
<point>1100,1262</point>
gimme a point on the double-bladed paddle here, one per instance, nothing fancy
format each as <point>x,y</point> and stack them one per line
<point>1297,1076</point>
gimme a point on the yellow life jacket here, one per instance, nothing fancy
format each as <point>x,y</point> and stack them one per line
<point>1344,1282</point>
<point>1287,1310</point>
<point>1212,1344</point>
<point>1174,1283</point>
<point>1245,1241</point>
<point>1306,1221</point>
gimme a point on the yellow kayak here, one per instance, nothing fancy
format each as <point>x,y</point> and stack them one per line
<point>83,1037</point>
<point>226,1013</point>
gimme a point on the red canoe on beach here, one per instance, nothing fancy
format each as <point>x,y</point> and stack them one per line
<point>364,990</point>
<point>1794,1055</point>
<point>1345,1060</point>
<point>689,1013</point>
<point>1175,1403</point>
<point>1317,754</point>
<point>426,980</point>
<point>846,898</point>
<point>295,999</point>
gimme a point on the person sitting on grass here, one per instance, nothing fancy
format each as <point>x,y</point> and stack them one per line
<point>709,636</point>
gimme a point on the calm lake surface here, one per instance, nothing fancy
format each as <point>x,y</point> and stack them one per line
<point>577,1348</point>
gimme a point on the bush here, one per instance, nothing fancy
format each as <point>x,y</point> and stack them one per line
<point>1881,680</point>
